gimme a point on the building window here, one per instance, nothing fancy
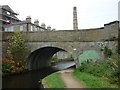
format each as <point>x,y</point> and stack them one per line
<point>8,13</point>
<point>21,28</point>
<point>6,29</point>
<point>9,29</point>
<point>31,28</point>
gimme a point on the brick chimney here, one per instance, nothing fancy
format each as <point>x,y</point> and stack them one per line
<point>43,25</point>
<point>49,28</point>
<point>28,19</point>
<point>75,23</point>
<point>36,22</point>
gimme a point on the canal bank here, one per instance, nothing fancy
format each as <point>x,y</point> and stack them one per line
<point>30,79</point>
<point>63,79</point>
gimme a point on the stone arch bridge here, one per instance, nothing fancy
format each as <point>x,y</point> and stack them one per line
<point>44,44</point>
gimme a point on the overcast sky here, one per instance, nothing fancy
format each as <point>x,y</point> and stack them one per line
<point>59,13</point>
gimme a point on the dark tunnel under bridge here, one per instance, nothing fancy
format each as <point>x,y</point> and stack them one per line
<point>41,58</point>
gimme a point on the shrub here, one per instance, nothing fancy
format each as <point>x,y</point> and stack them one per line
<point>103,68</point>
<point>17,49</point>
<point>9,66</point>
<point>107,52</point>
<point>6,68</point>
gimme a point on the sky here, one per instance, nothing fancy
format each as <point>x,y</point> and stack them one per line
<point>59,13</point>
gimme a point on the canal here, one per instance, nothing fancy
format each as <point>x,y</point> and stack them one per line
<point>30,79</point>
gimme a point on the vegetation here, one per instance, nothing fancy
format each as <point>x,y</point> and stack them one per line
<point>106,70</point>
<point>54,81</point>
<point>54,60</point>
<point>93,81</point>
<point>17,52</point>
<point>17,49</point>
<point>107,52</point>
<point>99,74</point>
<point>10,66</point>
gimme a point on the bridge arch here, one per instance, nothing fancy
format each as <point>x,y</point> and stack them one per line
<point>41,57</point>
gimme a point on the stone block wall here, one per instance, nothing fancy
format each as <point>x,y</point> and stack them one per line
<point>108,32</point>
<point>69,39</point>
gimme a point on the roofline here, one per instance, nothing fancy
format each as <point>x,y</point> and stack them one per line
<point>1,6</point>
<point>22,22</point>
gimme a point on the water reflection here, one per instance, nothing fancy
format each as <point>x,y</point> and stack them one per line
<point>30,79</point>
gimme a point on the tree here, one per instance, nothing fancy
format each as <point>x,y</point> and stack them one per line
<point>17,49</point>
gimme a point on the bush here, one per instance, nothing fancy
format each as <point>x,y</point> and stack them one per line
<point>6,68</point>
<point>17,49</point>
<point>107,52</point>
<point>104,68</point>
<point>9,66</point>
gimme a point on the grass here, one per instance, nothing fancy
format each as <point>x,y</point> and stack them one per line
<point>100,74</point>
<point>54,81</point>
<point>103,68</point>
<point>93,81</point>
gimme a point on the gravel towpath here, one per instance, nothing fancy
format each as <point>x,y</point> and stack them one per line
<point>70,81</point>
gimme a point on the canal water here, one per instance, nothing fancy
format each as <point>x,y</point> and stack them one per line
<point>30,79</point>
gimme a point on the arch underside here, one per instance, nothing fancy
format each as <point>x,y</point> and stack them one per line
<point>40,58</point>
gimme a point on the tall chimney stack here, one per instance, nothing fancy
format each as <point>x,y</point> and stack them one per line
<point>75,23</point>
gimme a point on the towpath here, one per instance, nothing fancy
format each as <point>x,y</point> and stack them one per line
<point>69,80</point>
